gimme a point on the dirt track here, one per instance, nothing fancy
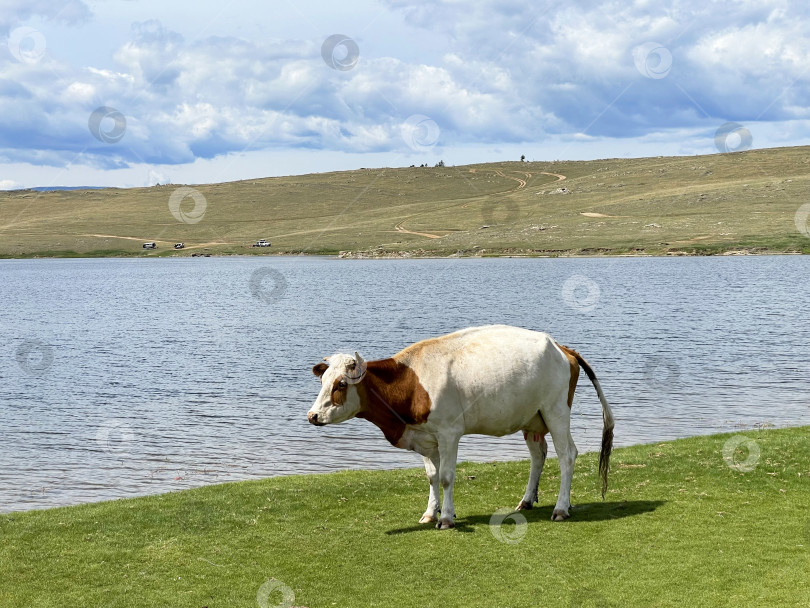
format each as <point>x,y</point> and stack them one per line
<point>399,228</point>
<point>521,184</point>
<point>145,240</point>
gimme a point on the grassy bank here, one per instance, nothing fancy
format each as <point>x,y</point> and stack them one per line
<point>679,527</point>
<point>698,205</point>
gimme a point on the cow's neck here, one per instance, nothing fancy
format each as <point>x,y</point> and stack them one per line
<point>392,397</point>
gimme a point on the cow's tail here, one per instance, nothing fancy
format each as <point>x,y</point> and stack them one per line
<point>607,423</point>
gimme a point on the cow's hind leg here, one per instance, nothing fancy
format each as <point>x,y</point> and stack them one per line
<point>432,471</point>
<point>560,427</point>
<point>538,448</point>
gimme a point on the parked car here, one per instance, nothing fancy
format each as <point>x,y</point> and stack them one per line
<point>151,245</point>
<point>179,245</point>
<point>261,243</point>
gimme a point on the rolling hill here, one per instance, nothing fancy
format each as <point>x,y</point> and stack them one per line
<point>740,202</point>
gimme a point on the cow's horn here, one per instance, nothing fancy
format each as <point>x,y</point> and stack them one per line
<point>359,370</point>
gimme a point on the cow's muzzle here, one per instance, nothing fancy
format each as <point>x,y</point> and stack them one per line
<point>313,419</point>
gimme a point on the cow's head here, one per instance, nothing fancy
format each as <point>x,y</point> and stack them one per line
<point>338,400</point>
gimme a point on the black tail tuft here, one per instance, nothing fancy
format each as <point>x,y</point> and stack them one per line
<point>604,457</point>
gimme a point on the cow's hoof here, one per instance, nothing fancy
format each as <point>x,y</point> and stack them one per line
<point>445,524</point>
<point>427,518</point>
<point>524,506</point>
<point>559,515</point>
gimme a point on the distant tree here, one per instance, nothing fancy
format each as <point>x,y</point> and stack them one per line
<point>522,157</point>
<point>440,163</point>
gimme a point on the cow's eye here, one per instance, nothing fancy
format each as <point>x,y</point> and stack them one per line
<point>342,384</point>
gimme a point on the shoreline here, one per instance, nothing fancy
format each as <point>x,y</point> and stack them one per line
<point>733,428</point>
<point>423,254</point>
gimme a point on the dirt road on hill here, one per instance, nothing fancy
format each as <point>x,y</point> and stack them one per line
<point>521,184</point>
<point>399,228</point>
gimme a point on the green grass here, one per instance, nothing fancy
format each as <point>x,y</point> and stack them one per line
<point>679,528</point>
<point>658,206</point>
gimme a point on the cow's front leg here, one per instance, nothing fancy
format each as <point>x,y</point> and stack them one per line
<point>432,471</point>
<point>448,453</point>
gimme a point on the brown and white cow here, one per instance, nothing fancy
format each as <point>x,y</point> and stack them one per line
<point>492,380</point>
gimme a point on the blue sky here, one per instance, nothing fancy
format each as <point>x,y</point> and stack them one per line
<point>132,93</point>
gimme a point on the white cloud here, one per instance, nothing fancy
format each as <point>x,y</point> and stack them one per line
<point>515,73</point>
<point>573,62</point>
<point>79,92</point>
<point>15,12</point>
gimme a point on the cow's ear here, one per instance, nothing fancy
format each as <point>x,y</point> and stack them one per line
<point>319,369</point>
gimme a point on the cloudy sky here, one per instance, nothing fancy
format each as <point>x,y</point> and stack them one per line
<point>132,93</point>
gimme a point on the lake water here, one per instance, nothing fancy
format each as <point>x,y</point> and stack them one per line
<point>128,377</point>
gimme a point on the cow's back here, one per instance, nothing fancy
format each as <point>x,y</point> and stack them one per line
<point>490,379</point>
